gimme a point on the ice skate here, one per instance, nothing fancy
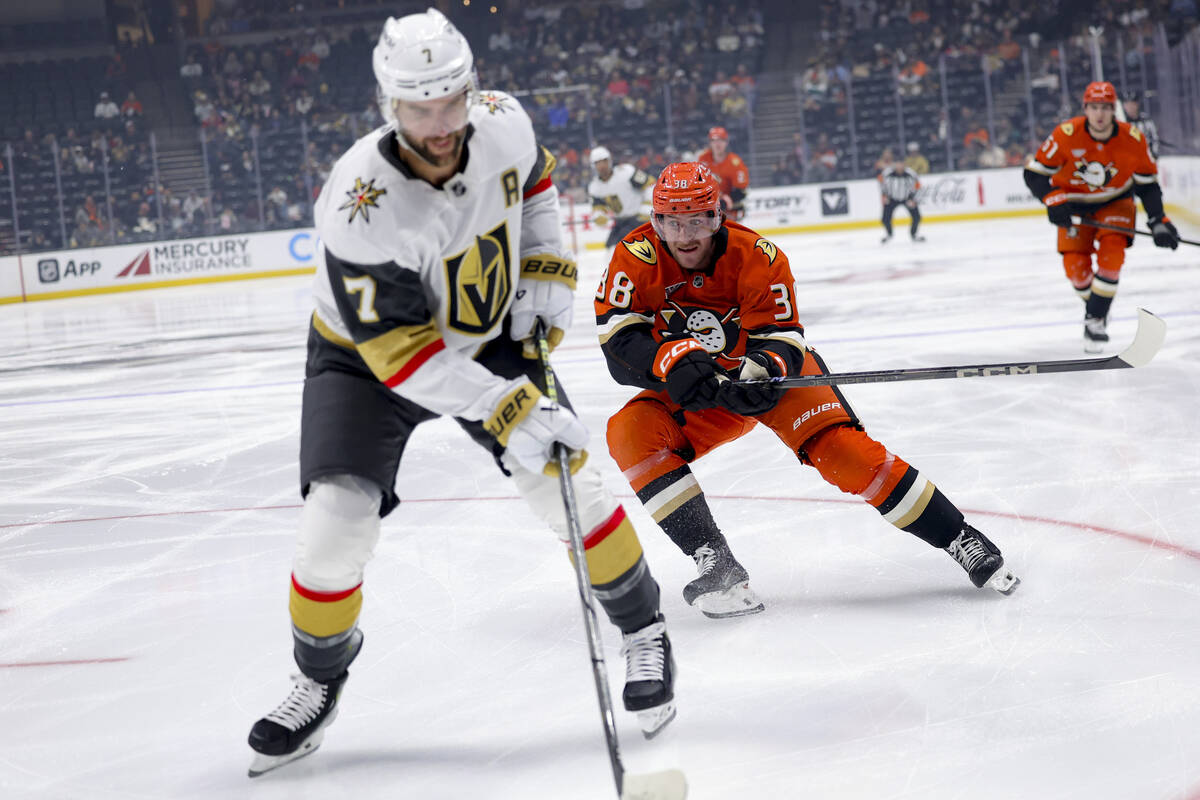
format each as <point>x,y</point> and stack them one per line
<point>886,239</point>
<point>649,677</point>
<point>982,561</point>
<point>916,237</point>
<point>1095,334</point>
<point>723,587</point>
<point>296,728</point>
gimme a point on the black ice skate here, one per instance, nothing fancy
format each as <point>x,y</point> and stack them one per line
<point>1095,334</point>
<point>886,239</point>
<point>723,587</point>
<point>916,237</point>
<point>296,728</point>
<point>982,561</point>
<point>649,677</point>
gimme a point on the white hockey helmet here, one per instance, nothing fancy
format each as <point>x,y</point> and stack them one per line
<point>600,154</point>
<point>421,57</point>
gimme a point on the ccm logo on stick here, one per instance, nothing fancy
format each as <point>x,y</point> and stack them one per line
<point>1016,369</point>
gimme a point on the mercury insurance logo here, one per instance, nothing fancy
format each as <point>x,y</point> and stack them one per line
<point>139,266</point>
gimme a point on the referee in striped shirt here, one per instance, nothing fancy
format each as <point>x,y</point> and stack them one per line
<point>898,186</point>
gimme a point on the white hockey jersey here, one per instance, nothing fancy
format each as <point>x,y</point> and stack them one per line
<point>623,194</point>
<point>417,279</point>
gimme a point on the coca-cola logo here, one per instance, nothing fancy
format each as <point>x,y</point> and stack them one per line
<point>947,191</point>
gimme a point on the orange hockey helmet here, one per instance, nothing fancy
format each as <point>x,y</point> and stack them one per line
<point>1100,92</point>
<point>718,133</point>
<point>686,187</point>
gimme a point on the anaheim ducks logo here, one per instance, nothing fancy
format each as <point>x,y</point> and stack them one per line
<point>1093,173</point>
<point>493,102</point>
<point>715,333</point>
<point>479,283</point>
<point>643,249</point>
<point>362,199</point>
<point>768,248</point>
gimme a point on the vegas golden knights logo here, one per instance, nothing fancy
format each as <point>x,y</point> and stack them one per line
<point>479,282</point>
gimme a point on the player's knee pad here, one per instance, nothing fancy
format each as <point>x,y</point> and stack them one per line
<point>339,528</point>
<point>1078,267</point>
<point>850,460</point>
<point>1110,256</point>
<point>643,438</point>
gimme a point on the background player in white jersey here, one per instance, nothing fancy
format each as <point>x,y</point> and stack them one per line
<point>898,186</point>
<point>620,192</point>
<point>441,248</point>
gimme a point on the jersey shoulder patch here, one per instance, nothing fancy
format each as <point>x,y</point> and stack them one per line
<point>768,248</point>
<point>1068,128</point>
<point>642,249</point>
<point>1135,133</point>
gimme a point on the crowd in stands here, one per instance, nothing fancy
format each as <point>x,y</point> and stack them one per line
<point>275,110</point>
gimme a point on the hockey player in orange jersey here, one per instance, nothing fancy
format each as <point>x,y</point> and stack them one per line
<point>1092,166</point>
<point>730,170</point>
<point>691,301</point>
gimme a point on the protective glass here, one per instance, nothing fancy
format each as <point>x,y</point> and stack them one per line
<point>686,227</point>
<point>431,118</point>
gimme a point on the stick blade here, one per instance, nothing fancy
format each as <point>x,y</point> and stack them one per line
<point>1151,331</point>
<point>668,784</point>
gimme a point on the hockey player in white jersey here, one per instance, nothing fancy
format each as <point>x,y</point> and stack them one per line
<point>621,192</point>
<point>441,249</point>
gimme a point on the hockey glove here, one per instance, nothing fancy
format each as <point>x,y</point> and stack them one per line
<point>1165,232</point>
<point>691,375</point>
<point>545,290</point>
<point>1058,209</point>
<point>750,401</point>
<point>527,424</point>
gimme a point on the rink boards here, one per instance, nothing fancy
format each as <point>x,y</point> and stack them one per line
<point>772,211</point>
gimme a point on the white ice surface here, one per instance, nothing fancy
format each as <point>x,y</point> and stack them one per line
<point>148,502</point>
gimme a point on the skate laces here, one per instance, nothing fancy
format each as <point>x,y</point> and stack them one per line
<point>302,706</point>
<point>968,550</point>
<point>644,654</point>
<point>706,559</point>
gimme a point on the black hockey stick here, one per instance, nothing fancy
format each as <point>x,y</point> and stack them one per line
<point>667,784</point>
<point>1145,344</point>
<point>1091,223</point>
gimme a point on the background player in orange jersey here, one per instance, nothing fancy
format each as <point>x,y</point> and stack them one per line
<point>690,301</point>
<point>1092,166</point>
<point>731,172</point>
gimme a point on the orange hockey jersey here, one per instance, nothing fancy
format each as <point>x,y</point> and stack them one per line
<point>731,171</point>
<point>744,301</point>
<point>1090,171</point>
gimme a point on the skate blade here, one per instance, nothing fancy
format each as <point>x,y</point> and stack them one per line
<point>666,785</point>
<point>736,601</point>
<point>263,763</point>
<point>1093,347</point>
<point>653,720</point>
<point>1003,581</point>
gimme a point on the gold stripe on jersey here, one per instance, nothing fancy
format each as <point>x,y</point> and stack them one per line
<point>616,324</point>
<point>543,165</point>
<point>790,338</point>
<point>550,268</point>
<point>1036,166</point>
<point>321,618</point>
<point>388,353</point>
<point>511,409</point>
<point>330,334</point>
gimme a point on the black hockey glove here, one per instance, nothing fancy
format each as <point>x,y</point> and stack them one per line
<point>691,376</point>
<point>1058,209</point>
<point>750,401</point>
<point>1165,232</point>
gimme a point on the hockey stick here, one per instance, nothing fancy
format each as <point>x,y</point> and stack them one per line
<point>1091,223</point>
<point>666,784</point>
<point>1145,344</point>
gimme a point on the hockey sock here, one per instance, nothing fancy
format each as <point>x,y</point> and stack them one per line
<point>916,220</point>
<point>1101,297</point>
<point>677,504</point>
<point>918,507</point>
<point>631,601</point>
<point>324,658</point>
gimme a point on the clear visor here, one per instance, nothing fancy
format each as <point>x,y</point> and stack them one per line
<point>431,118</point>
<point>686,227</point>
